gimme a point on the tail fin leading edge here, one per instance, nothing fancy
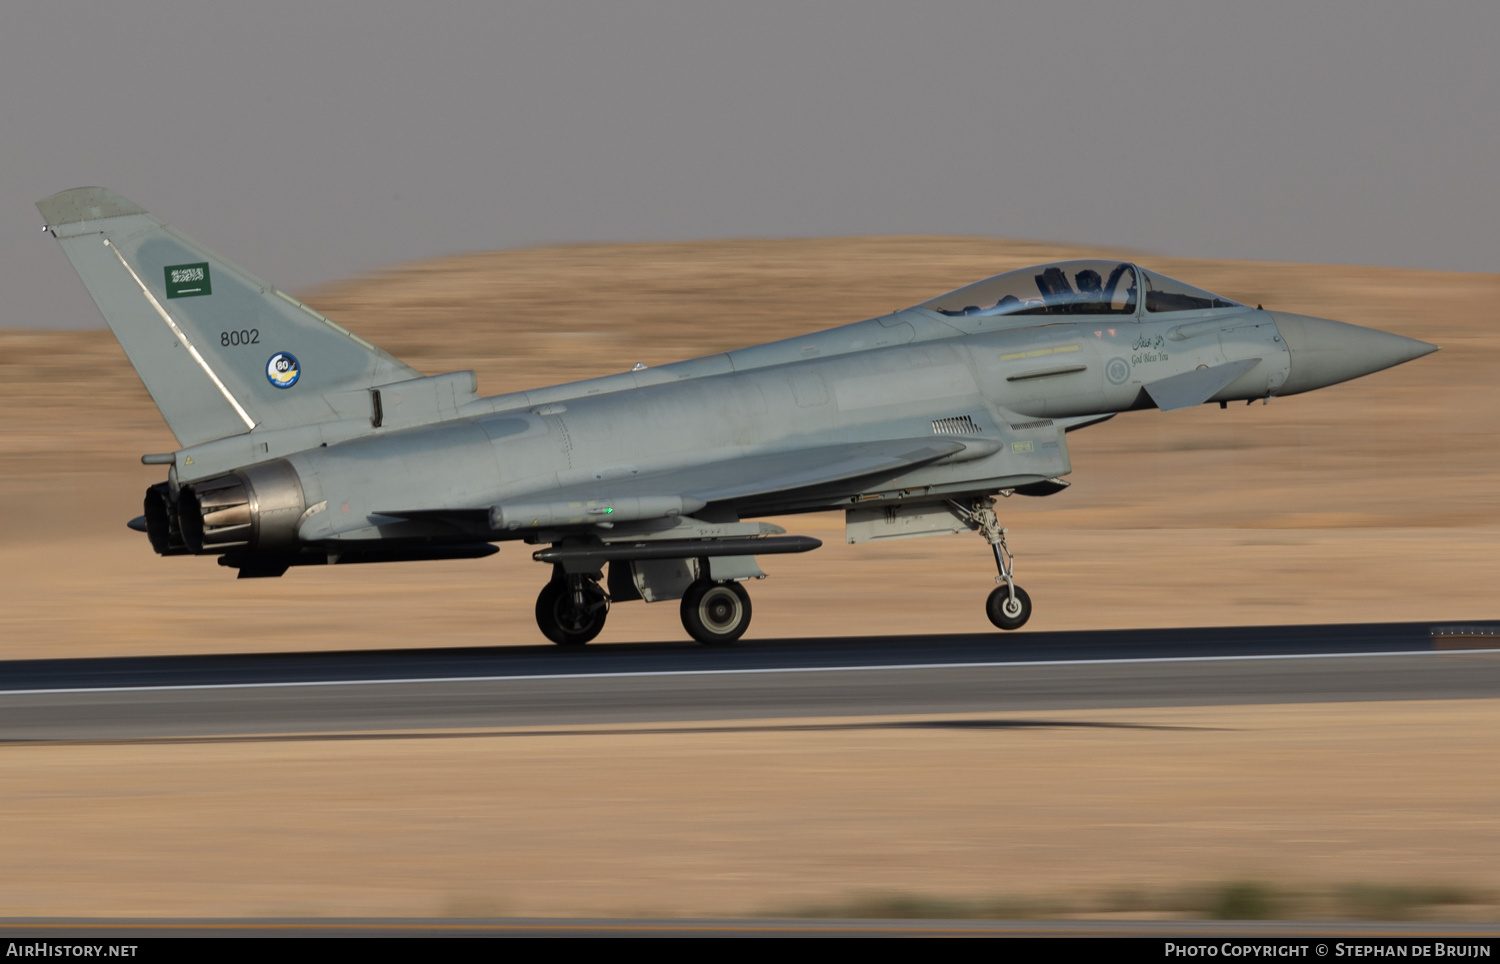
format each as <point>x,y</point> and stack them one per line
<point>220,352</point>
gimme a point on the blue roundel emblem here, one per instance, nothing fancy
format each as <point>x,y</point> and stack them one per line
<point>283,370</point>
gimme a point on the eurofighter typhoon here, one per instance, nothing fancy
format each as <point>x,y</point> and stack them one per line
<point>304,444</point>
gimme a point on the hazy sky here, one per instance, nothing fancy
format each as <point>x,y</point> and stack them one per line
<point>307,141</point>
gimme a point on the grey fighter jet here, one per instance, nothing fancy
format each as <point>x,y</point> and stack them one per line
<point>304,444</point>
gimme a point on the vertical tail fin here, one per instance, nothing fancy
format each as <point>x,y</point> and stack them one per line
<point>220,352</point>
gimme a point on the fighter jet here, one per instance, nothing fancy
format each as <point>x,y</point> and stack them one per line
<point>303,444</point>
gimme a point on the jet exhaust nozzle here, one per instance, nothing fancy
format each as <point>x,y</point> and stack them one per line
<point>254,509</point>
<point>161,522</point>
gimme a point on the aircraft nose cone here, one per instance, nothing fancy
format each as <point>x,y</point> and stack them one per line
<point>1327,352</point>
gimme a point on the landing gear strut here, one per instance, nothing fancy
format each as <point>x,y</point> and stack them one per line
<point>571,608</point>
<point>1008,605</point>
<point>716,613</point>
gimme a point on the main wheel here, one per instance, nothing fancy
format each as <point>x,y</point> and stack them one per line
<point>1005,612</point>
<point>715,613</point>
<point>561,621</point>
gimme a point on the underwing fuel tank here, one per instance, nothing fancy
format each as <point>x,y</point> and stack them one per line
<point>253,509</point>
<point>591,512</point>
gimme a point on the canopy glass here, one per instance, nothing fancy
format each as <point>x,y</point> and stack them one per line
<point>1074,288</point>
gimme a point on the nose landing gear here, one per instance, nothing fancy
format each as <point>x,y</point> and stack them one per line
<point>1008,605</point>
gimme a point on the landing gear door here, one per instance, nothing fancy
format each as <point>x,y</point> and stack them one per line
<point>661,579</point>
<point>657,580</point>
<point>901,522</point>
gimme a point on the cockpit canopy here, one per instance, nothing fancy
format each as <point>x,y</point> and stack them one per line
<point>1074,288</point>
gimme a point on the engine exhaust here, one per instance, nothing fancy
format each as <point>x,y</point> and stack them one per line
<point>254,509</point>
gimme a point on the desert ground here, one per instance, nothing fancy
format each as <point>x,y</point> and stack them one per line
<point>1374,500</point>
<point>1144,812</point>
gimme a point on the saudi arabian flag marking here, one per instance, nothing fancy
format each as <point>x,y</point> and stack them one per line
<point>188,280</point>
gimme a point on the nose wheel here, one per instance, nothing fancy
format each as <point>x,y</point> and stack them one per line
<point>1008,606</point>
<point>1008,611</point>
<point>571,610</point>
<point>716,613</point>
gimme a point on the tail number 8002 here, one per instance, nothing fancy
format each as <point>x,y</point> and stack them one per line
<point>241,337</point>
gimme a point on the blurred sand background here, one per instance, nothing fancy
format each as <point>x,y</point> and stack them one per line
<point>1373,500</point>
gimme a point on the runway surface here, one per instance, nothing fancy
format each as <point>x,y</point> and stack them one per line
<point>386,691</point>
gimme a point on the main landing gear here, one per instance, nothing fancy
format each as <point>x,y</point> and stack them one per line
<point>1008,605</point>
<point>705,572</point>
<point>571,609</point>
<point>716,613</point>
